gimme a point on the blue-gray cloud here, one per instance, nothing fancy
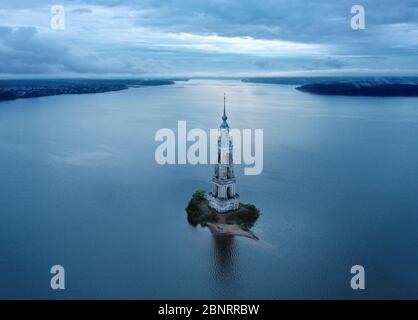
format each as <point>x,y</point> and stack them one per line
<point>81,10</point>
<point>24,51</point>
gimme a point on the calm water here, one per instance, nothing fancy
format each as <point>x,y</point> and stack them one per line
<point>79,186</point>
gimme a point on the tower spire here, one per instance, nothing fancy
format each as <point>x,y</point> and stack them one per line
<point>224,117</point>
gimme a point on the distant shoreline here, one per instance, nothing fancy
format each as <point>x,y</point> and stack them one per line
<point>363,90</point>
<point>22,89</point>
<point>349,86</point>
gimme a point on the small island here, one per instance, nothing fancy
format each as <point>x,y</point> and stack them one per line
<point>234,222</point>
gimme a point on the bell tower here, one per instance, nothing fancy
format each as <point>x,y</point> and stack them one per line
<point>223,197</point>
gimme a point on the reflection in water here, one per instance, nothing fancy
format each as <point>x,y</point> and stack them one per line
<point>224,261</point>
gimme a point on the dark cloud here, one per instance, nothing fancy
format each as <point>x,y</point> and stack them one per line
<point>333,63</point>
<point>24,51</point>
<point>263,65</point>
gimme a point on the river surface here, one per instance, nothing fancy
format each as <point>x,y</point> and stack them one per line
<point>80,187</point>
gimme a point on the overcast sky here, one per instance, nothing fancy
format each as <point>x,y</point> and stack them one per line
<point>136,38</point>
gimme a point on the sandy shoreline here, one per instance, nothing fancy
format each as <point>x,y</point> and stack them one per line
<point>223,229</point>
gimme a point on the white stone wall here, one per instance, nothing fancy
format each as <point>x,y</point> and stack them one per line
<point>223,205</point>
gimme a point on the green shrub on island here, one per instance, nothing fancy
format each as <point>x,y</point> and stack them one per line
<point>245,216</point>
<point>199,195</point>
<point>198,210</point>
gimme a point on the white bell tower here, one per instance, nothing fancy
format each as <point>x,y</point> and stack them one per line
<point>223,197</point>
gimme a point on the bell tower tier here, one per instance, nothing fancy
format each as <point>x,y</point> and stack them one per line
<point>223,196</point>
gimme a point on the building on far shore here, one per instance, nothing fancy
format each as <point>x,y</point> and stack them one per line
<point>223,197</point>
